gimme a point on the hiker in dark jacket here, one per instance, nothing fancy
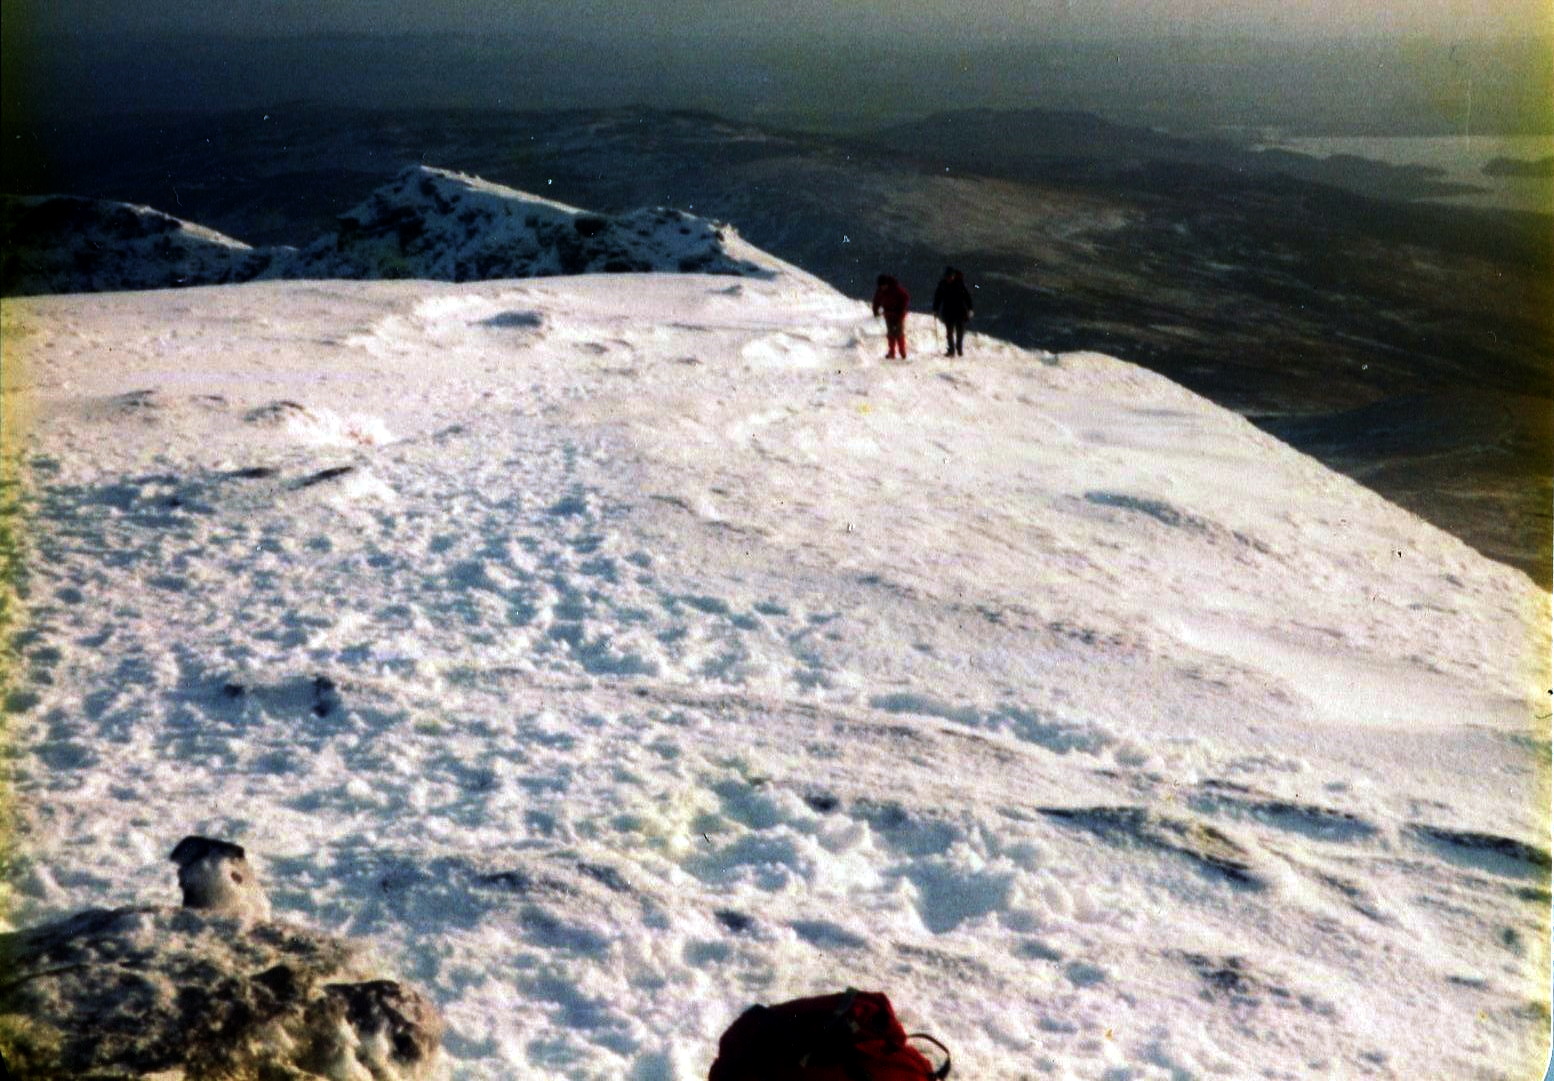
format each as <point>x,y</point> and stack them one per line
<point>890,300</point>
<point>952,304</point>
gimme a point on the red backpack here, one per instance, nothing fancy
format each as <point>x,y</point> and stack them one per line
<point>853,1036</point>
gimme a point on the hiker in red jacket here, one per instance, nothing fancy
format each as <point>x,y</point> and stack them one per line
<point>891,301</point>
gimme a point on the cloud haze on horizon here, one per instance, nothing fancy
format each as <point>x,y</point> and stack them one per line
<point>1426,67</point>
<point>810,19</point>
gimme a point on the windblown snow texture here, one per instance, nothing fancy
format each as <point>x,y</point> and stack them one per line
<point>615,651</point>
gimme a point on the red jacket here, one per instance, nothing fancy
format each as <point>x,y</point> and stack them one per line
<point>892,300</point>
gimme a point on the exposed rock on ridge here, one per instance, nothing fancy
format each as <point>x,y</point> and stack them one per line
<point>205,993</point>
<point>66,244</point>
<point>430,223</point>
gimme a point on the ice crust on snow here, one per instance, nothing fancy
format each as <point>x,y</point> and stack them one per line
<point>665,650</point>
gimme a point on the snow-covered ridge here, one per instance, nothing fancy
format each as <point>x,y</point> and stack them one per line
<point>427,224</point>
<point>67,244</point>
<point>430,223</point>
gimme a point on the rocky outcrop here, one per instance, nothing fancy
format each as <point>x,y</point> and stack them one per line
<point>206,994</point>
<point>65,244</point>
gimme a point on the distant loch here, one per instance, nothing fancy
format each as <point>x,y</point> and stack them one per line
<point>1508,172</point>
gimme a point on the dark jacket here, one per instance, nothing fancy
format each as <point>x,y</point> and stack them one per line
<point>952,300</point>
<point>892,300</point>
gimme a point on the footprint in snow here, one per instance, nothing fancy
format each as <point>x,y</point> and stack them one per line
<point>320,427</point>
<point>137,402</point>
<point>514,320</point>
<point>317,696</point>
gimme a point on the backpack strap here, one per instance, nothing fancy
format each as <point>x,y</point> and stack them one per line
<point>943,1071</point>
<point>835,1037</point>
<point>838,1026</point>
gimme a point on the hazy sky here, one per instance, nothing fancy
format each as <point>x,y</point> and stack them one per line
<point>808,18</point>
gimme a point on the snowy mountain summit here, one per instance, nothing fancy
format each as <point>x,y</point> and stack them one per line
<point>613,651</point>
<point>430,224</point>
<point>435,224</point>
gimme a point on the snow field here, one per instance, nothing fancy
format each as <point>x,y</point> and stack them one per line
<point>613,652</point>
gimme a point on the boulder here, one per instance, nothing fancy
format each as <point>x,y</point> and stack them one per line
<point>207,992</point>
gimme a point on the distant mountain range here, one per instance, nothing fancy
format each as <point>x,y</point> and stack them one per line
<point>1538,167</point>
<point>1032,142</point>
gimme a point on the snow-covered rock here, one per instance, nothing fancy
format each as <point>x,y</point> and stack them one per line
<point>441,225</point>
<point>67,244</point>
<point>209,992</point>
<point>215,876</point>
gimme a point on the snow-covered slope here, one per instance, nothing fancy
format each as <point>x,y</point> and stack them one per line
<point>615,651</point>
<point>66,244</point>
